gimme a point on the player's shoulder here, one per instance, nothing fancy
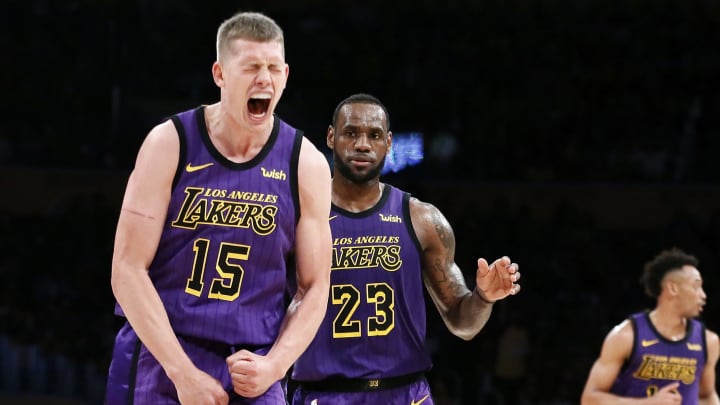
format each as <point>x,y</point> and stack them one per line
<point>618,343</point>
<point>311,155</point>
<point>420,205</point>
<point>712,344</point>
<point>711,337</point>
<point>162,140</point>
<point>427,219</point>
<point>623,332</point>
<point>424,208</point>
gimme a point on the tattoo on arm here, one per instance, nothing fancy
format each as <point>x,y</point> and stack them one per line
<point>450,283</point>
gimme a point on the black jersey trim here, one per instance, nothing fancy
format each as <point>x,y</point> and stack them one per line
<point>408,221</point>
<point>633,351</point>
<point>205,136</point>
<point>703,337</point>
<point>370,211</point>
<point>182,156</point>
<point>688,331</point>
<point>293,169</point>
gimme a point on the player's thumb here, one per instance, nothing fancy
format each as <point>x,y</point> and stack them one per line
<point>239,355</point>
<point>673,386</point>
<point>483,267</point>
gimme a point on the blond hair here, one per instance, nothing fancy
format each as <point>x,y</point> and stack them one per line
<point>252,26</point>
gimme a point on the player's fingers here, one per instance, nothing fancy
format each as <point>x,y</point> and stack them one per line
<point>671,387</point>
<point>483,266</point>
<point>245,354</point>
<point>244,366</point>
<point>515,289</point>
<point>222,398</point>
<point>239,355</point>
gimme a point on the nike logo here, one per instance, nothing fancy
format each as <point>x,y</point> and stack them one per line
<point>190,168</point>
<point>648,343</point>
<point>332,217</point>
<point>420,401</point>
<point>694,347</point>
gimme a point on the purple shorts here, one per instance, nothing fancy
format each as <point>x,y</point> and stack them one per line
<point>136,378</point>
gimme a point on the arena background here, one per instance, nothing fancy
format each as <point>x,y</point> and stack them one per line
<point>579,138</point>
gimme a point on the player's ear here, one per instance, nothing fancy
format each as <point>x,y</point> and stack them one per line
<point>389,139</point>
<point>217,74</point>
<point>330,136</point>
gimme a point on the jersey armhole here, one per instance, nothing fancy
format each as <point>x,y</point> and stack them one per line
<point>408,221</point>
<point>293,168</point>
<point>626,363</point>
<point>183,149</point>
<point>703,336</point>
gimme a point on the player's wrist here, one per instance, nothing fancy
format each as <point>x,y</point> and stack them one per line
<point>482,297</point>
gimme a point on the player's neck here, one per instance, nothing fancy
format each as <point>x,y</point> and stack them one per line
<point>669,323</point>
<point>355,197</point>
<point>237,142</point>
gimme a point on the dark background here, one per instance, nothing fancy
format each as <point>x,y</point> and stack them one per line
<point>579,138</point>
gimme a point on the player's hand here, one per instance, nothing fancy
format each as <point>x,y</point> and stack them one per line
<point>498,280</point>
<point>252,374</point>
<point>667,395</point>
<point>198,387</point>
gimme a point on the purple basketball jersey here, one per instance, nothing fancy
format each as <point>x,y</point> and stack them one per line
<point>220,267</point>
<point>656,361</point>
<point>375,321</point>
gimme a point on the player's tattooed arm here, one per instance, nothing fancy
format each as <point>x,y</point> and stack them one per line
<point>463,312</point>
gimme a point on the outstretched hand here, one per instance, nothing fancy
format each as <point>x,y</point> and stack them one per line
<point>498,280</point>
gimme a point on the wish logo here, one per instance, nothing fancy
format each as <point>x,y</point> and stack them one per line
<point>390,218</point>
<point>274,174</point>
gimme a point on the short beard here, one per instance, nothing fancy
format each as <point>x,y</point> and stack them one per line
<point>348,173</point>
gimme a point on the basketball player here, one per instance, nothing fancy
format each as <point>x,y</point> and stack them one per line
<point>386,244</point>
<point>221,196</point>
<point>663,356</point>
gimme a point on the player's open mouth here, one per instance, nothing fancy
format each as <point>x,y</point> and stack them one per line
<point>258,107</point>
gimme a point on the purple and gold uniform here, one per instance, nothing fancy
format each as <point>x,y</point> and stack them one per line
<point>656,361</point>
<point>220,267</point>
<point>370,346</point>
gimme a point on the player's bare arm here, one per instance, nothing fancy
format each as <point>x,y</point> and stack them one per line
<point>313,258</point>
<point>708,392</point>
<point>463,312</point>
<point>140,225</point>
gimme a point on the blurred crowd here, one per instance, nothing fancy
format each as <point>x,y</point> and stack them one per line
<point>503,91</point>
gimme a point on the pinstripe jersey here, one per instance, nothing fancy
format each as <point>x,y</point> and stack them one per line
<point>375,321</point>
<point>220,267</point>
<point>656,361</point>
